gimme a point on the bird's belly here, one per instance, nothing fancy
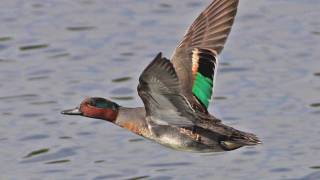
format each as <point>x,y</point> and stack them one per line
<point>183,139</point>
<point>182,143</point>
<point>171,141</point>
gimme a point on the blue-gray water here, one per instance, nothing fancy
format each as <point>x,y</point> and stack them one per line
<point>55,53</point>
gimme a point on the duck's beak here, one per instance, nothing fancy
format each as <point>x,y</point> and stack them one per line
<point>75,111</point>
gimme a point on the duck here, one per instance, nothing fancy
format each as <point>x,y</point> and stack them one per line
<point>176,92</point>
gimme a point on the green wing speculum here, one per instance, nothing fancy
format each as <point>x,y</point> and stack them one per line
<point>204,65</point>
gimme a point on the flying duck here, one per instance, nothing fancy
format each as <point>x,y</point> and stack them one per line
<point>176,93</point>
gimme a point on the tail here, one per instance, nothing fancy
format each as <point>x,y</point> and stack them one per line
<point>229,137</point>
<point>239,139</point>
<point>247,139</point>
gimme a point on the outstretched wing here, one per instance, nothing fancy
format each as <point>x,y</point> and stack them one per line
<point>195,59</point>
<point>160,92</point>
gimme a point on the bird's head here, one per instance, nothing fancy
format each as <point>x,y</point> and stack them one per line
<point>95,107</point>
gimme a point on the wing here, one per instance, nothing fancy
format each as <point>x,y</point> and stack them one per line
<point>160,92</point>
<point>195,59</point>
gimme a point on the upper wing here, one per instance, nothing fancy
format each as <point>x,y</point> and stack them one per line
<point>199,48</point>
<point>159,90</point>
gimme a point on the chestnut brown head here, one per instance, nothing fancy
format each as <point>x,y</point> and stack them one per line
<point>95,107</point>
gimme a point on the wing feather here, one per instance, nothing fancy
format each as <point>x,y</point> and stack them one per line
<point>209,33</point>
<point>160,92</point>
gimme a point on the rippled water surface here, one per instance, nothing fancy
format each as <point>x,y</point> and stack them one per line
<point>55,53</point>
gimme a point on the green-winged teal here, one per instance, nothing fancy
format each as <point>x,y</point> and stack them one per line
<point>176,93</point>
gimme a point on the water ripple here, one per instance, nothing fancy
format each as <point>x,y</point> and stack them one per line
<point>35,137</point>
<point>58,161</point>
<point>80,28</point>
<point>61,55</point>
<point>169,164</point>
<point>22,96</point>
<point>315,105</point>
<point>43,102</point>
<point>5,38</point>
<point>110,176</point>
<point>122,98</point>
<point>233,69</point>
<point>122,91</point>
<point>138,178</point>
<point>37,152</point>
<point>33,47</point>
<point>60,154</point>
<point>122,79</point>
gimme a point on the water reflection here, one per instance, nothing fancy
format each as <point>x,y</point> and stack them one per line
<point>54,171</point>
<point>65,137</point>
<point>3,47</point>
<point>312,176</point>
<point>37,152</point>
<point>43,102</point>
<point>37,5</point>
<point>233,69</point>
<point>315,105</point>
<point>250,152</point>
<point>32,115</point>
<point>84,133</point>
<point>3,139</point>
<point>119,59</point>
<point>163,170</point>
<point>170,164</point>
<point>38,78</point>
<point>6,60</point>
<point>165,5</point>
<point>136,140</point>
<point>224,64</point>
<point>59,55</point>
<point>99,161</point>
<point>35,137</point>
<point>280,170</point>
<point>58,161</point>
<point>127,54</point>
<point>5,38</point>
<point>219,98</point>
<point>20,97</point>
<point>122,91</point>
<point>6,113</point>
<point>111,176</point>
<point>80,28</point>
<point>44,156</point>
<point>316,33</point>
<point>194,4</point>
<point>122,98</point>
<point>33,47</point>
<point>122,79</point>
<point>315,167</point>
<point>139,178</point>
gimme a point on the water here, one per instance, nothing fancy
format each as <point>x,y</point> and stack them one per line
<point>55,53</point>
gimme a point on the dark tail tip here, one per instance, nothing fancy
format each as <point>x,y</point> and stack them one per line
<point>240,139</point>
<point>247,139</point>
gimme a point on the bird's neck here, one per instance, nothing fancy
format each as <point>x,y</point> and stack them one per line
<point>133,119</point>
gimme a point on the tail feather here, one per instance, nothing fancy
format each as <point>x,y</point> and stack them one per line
<point>239,139</point>
<point>246,139</point>
<point>230,138</point>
